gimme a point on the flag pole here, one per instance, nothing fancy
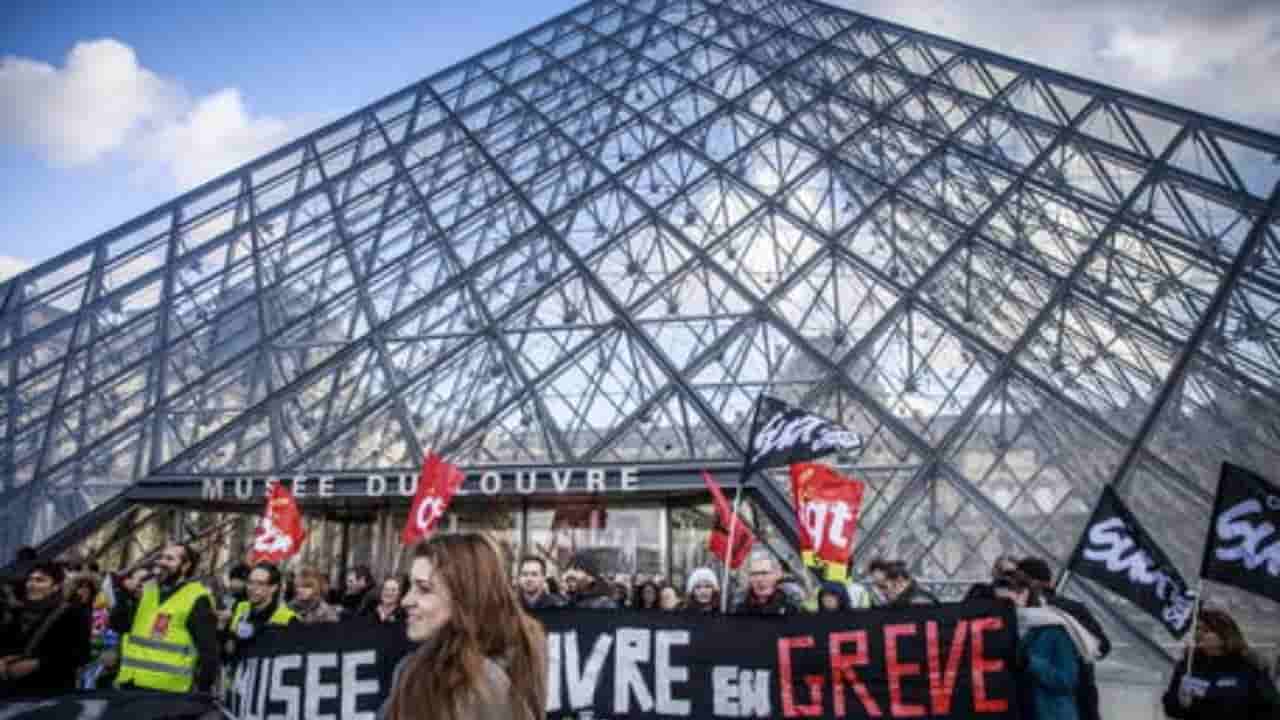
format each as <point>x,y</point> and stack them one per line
<point>737,503</point>
<point>1195,619</point>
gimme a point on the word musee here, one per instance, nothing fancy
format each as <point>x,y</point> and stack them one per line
<point>492,482</point>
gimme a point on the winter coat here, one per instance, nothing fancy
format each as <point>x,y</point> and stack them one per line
<point>543,601</point>
<point>320,612</point>
<point>596,597</point>
<point>1226,686</point>
<point>779,603</point>
<point>1052,647</point>
<point>62,649</point>
<point>1087,692</point>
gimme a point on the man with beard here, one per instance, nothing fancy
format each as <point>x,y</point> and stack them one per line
<point>265,606</point>
<point>173,644</point>
<point>593,592</point>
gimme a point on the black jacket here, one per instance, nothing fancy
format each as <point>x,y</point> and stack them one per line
<point>777,604</point>
<point>596,597</point>
<point>61,650</point>
<point>1229,687</point>
<point>545,600</point>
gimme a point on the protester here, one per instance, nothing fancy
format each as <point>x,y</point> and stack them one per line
<point>388,609</point>
<point>45,641</point>
<point>703,592</point>
<point>1038,573</point>
<point>173,643</point>
<point>1051,646</point>
<point>264,606</point>
<point>128,592</point>
<point>897,587</point>
<point>669,599</point>
<point>1227,679</point>
<point>360,596</point>
<point>237,592</point>
<point>647,596</point>
<point>309,599</point>
<point>833,597</point>
<point>1004,565</point>
<point>592,591</point>
<point>764,596</point>
<point>480,655</point>
<point>534,594</point>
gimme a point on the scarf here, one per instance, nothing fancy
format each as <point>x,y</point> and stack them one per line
<point>1087,645</point>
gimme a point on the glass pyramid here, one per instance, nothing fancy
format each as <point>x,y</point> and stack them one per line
<point>601,239</point>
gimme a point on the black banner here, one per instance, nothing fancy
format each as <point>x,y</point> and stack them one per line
<point>939,662</point>
<point>1243,548</point>
<point>311,671</point>
<point>782,435</point>
<point>949,661</point>
<point>1117,553</point>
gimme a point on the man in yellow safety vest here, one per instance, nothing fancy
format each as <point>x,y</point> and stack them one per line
<point>172,645</point>
<point>264,607</point>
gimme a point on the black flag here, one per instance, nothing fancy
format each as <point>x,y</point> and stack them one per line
<point>781,435</point>
<point>1118,554</point>
<point>1243,548</point>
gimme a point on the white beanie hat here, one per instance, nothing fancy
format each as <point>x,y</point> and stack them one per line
<point>699,576</point>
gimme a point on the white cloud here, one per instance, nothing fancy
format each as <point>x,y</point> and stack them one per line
<point>104,101</point>
<point>215,135</point>
<point>77,113</point>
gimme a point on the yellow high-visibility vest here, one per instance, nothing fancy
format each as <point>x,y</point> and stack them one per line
<point>281,616</point>
<point>158,653</point>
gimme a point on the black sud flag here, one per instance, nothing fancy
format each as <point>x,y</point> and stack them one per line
<point>1243,548</point>
<point>782,434</point>
<point>1118,554</point>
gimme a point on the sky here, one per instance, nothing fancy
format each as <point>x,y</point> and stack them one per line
<point>110,108</point>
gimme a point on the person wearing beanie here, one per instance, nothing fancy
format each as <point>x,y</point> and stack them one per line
<point>833,597</point>
<point>591,590</point>
<point>702,592</point>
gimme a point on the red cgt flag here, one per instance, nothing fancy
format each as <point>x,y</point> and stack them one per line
<point>436,486</point>
<point>827,506</point>
<point>280,531</point>
<point>718,542</point>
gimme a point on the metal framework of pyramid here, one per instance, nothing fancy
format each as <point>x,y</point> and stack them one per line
<point>601,239</point>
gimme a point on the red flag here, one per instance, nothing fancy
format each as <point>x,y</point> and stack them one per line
<point>436,486</point>
<point>718,542</point>
<point>280,532</point>
<point>827,506</point>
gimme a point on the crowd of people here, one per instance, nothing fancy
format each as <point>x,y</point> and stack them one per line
<point>161,627</point>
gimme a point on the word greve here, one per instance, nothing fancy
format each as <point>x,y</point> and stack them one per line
<point>570,480</point>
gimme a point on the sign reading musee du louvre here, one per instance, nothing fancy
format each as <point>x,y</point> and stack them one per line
<point>535,481</point>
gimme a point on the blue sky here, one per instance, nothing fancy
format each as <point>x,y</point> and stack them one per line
<point>110,108</point>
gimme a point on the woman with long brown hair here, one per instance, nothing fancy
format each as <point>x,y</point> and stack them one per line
<point>1227,679</point>
<point>481,656</point>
